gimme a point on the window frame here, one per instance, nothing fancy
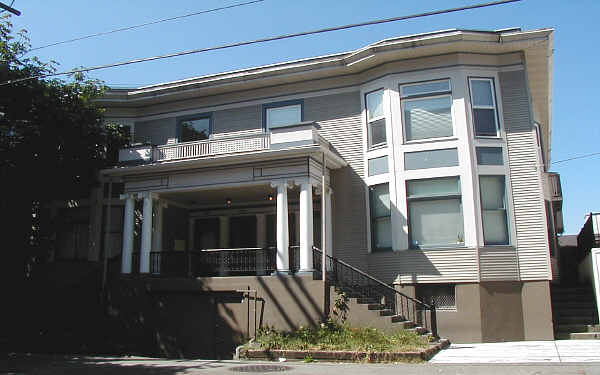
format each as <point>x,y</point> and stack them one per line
<point>281,104</point>
<point>370,121</point>
<point>494,106</point>
<point>372,219</point>
<point>198,116</point>
<point>506,210</point>
<point>429,95</point>
<point>421,198</point>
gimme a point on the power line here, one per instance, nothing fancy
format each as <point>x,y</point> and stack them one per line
<point>576,157</point>
<point>145,24</point>
<point>268,39</point>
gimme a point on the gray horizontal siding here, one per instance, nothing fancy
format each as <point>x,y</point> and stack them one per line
<point>434,266</point>
<point>498,264</point>
<point>525,177</point>
<point>237,119</point>
<point>340,121</point>
<point>156,132</point>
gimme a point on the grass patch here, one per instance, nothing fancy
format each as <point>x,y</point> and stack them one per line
<point>341,337</point>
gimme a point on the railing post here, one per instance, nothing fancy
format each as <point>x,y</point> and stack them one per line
<point>433,319</point>
<point>189,263</point>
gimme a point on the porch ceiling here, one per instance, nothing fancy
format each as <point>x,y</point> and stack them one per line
<point>248,195</point>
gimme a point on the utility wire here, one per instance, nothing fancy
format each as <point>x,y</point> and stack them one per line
<point>268,39</point>
<point>576,157</point>
<point>145,24</point>
<point>10,6</point>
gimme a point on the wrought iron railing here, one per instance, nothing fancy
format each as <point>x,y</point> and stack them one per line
<point>217,262</point>
<point>358,284</point>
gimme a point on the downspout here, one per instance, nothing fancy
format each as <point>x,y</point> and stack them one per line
<point>324,241</point>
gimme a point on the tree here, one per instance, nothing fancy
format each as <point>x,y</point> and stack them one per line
<point>53,139</point>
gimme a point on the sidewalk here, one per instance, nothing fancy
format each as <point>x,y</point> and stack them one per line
<point>73,365</point>
<point>559,351</point>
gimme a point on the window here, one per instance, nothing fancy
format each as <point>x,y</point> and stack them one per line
<point>493,210</point>
<point>431,159</point>
<point>427,110</point>
<point>483,102</point>
<point>435,212</point>
<point>489,156</point>
<point>378,166</point>
<point>375,119</point>
<point>194,129</point>
<point>381,223</point>
<point>282,114</point>
<point>442,295</point>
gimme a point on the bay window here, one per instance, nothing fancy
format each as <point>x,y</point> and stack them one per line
<point>381,223</point>
<point>435,216</point>
<point>493,209</point>
<point>426,110</point>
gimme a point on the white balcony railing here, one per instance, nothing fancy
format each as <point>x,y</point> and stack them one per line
<point>189,150</point>
<point>225,143</point>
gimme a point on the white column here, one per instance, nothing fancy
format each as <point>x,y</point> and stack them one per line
<point>146,234</point>
<point>158,227</point>
<point>328,222</point>
<point>283,239</point>
<point>224,232</point>
<point>306,228</point>
<point>128,225</point>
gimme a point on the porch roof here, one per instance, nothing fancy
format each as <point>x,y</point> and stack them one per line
<point>333,160</point>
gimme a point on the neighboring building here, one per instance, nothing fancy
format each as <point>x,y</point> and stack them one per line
<point>436,149</point>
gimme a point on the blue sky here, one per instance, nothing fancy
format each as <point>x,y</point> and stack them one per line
<point>576,129</point>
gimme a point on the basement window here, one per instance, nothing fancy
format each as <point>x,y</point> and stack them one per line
<point>442,295</point>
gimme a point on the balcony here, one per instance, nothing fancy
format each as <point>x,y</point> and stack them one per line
<point>555,186</point>
<point>247,141</point>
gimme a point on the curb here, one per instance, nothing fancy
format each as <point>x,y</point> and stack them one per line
<point>424,354</point>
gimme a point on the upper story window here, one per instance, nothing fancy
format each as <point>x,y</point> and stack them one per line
<point>483,102</point>
<point>427,110</point>
<point>375,119</point>
<point>194,128</point>
<point>282,114</point>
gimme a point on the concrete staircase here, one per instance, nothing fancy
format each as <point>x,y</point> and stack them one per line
<point>575,313</point>
<point>370,312</point>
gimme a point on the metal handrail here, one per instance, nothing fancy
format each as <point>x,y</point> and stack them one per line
<point>364,274</point>
<point>380,290</point>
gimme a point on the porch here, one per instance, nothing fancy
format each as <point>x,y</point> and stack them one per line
<point>243,230</point>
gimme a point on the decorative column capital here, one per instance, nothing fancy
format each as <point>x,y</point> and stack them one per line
<point>279,183</point>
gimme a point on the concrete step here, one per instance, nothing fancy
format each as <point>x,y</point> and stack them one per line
<point>573,305</point>
<point>575,320</point>
<point>376,306</point>
<point>367,301</point>
<point>577,328</point>
<point>576,312</point>
<point>577,335</point>
<point>401,322</point>
<point>419,330</point>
